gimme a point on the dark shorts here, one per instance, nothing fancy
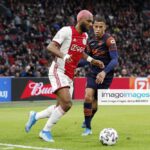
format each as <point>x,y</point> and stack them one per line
<point>92,84</point>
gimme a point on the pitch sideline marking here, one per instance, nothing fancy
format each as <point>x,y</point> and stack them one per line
<point>8,148</point>
<point>27,147</point>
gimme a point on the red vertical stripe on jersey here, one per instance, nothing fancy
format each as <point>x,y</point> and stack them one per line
<point>76,49</point>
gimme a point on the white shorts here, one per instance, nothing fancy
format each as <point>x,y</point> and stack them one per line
<point>58,79</point>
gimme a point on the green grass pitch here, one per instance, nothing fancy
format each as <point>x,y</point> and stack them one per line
<point>131,122</point>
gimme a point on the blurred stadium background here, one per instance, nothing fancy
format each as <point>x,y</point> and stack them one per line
<point>26,28</point>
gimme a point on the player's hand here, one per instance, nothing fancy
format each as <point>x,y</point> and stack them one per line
<point>67,58</point>
<point>100,77</point>
<point>97,63</point>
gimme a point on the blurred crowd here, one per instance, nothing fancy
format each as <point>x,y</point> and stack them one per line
<point>26,28</point>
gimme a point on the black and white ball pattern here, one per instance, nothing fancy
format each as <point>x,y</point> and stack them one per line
<point>108,136</point>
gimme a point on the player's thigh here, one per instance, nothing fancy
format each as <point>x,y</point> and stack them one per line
<point>89,95</point>
<point>71,86</point>
<point>105,85</point>
<point>91,83</point>
<point>91,89</point>
<point>59,80</point>
<point>63,95</point>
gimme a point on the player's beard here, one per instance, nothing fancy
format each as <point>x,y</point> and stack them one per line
<point>83,27</point>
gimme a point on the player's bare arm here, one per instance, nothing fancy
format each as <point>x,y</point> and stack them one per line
<point>93,61</point>
<point>54,48</point>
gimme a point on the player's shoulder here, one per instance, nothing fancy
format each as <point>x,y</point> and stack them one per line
<point>92,40</point>
<point>107,36</point>
<point>65,28</point>
<point>66,31</point>
<point>109,39</point>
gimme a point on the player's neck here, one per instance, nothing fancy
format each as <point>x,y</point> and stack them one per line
<point>100,36</point>
<point>77,27</point>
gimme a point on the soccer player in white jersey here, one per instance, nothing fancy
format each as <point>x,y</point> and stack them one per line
<point>68,47</point>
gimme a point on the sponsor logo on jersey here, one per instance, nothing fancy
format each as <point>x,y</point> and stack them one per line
<point>77,48</point>
<point>112,41</point>
<point>84,41</point>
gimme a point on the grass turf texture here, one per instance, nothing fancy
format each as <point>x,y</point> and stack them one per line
<point>131,122</point>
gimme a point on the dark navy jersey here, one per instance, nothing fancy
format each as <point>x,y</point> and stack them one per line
<point>101,49</point>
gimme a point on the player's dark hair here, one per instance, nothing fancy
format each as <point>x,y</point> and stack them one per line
<point>99,18</point>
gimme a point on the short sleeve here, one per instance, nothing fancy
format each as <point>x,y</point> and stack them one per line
<point>111,43</point>
<point>61,35</point>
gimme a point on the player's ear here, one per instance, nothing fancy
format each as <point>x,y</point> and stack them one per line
<point>106,26</point>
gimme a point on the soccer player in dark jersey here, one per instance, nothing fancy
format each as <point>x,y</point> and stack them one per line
<point>102,47</point>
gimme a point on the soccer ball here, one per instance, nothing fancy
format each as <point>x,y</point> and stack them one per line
<point>108,136</point>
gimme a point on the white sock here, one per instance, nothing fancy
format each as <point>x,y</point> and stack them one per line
<point>55,116</point>
<point>45,113</point>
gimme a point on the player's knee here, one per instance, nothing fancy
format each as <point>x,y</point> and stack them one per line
<point>67,105</point>
<point>88,99</point>
<point>95,110</point>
